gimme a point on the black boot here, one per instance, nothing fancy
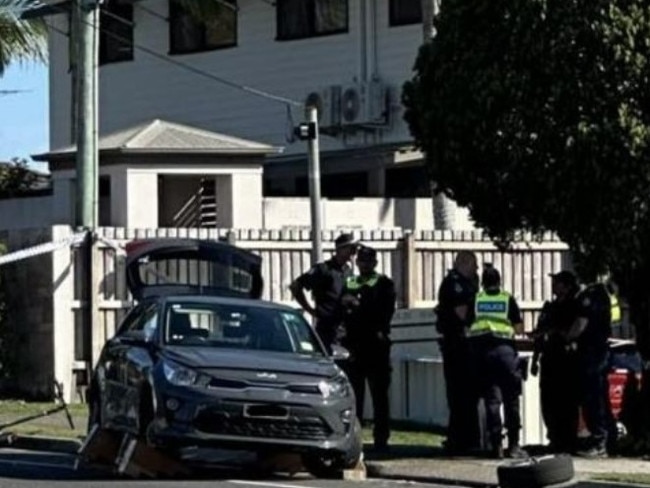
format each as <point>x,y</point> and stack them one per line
<point>496,448</point>
<point>515,451</point>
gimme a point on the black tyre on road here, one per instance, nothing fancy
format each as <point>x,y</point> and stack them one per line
<point>536,472</point>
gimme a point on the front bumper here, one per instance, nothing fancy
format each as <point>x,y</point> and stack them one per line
<point>252,419</point>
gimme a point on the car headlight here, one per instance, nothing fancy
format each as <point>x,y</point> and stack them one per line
<point>181,376</point>
<point>338,387</point>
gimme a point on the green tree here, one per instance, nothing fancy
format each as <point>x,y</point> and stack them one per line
<point>20,40</point>
<point>535,114</point>
<point>15,178</point>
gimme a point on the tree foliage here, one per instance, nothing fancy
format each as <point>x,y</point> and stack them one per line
<point>535,114</point>
<point>20,40</point>
<point>15,178</point>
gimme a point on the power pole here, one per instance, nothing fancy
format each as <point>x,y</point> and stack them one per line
<point>87,30</point>
<point>443,207</point>
<point>309,132</point>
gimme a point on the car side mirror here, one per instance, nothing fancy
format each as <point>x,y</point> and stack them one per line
<point>339,353</point>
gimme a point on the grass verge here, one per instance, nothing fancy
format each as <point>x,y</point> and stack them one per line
<point>632,478</point>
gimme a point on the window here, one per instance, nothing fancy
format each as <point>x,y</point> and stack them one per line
<point>239,326</point>
<point>189,34</point>
<point>143,317</point>
<point>404,12</point>
<point>116,34</point>
<point>297,19</point>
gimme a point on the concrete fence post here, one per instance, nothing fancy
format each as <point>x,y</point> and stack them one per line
<point>410,292</point>
<point>63,333</point>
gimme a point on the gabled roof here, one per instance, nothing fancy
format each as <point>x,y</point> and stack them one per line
<point>159,136</point>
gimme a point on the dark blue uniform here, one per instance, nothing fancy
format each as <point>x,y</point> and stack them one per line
<point>558,381</point>
<point>463,427</point>
<point>499,381</point>
<point>326,281</point>
<point>593,357</point>
<point>367,337</point>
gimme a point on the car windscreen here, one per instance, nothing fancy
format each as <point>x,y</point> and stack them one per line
<point>239,326</point>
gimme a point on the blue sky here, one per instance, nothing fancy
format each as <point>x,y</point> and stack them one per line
<point>24,123</point>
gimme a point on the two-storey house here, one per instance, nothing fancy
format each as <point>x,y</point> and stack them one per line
<point>351,57</point>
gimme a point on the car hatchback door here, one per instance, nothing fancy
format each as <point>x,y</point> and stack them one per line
<point>162,267</point>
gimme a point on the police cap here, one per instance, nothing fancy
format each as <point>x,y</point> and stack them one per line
<point>565,277</point>
<point>345,240</point>
<point>366,254</point>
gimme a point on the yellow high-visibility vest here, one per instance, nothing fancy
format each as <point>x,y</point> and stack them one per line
<point>491,316</point>
<point>615,308</point>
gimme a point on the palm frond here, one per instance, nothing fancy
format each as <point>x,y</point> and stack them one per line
<point>20,40</point>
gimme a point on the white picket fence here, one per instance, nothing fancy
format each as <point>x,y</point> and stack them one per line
<point>417,261</point>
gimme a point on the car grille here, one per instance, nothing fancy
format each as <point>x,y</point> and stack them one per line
<point>293,427</point>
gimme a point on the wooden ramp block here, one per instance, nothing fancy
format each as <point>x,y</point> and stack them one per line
<point>127,455</point>
<point>357,473</point>
<point>100,447</point>
<point>136,459</point>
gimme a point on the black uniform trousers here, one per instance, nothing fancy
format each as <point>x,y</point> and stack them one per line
<point>463,431</point>
<point>596,411</point>
<point>372,364</point>
<point>560,395</point>
<point>497,368</point>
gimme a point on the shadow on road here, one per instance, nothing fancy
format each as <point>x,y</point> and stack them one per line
<point>41,466</point>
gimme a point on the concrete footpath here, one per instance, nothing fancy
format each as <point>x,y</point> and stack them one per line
<point>411,463</point>
<point>429,465</point>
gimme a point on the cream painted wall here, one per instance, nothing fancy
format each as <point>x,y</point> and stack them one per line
<point>149,87</point>
<point>134,205</point>
<point>142,199</point>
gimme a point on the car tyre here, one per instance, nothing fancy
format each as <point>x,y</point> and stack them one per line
<point>330,465</point>
<point>94,412</point>
<point>536,472</point>
<point>327,465</point>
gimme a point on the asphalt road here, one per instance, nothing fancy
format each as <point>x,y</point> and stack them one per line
<point>30,469</point>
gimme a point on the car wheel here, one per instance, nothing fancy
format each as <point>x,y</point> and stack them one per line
<point>536,472</point>
<point>94,412</point>
<point>327,465</point>
<point>146,414</point>
<point>353,456</point>
<point>331,465</point>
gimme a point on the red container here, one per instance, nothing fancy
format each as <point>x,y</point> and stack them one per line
<point>617,379</point>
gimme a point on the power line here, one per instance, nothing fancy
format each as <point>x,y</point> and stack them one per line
<point>190,68</point>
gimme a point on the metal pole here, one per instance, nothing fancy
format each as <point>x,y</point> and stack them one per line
<point>87,59</point>
<point>314,185</point>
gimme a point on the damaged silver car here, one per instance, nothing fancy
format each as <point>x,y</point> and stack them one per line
<point>202,361</point>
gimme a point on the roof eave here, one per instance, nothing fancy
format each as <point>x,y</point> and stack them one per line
<point>53,156</point>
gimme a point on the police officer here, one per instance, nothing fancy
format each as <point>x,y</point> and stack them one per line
<point>326,281</point>
<point>497,320</point>
<point>558,380</point>
<point>369,299</point>
<point>454,312</point>
<point>598,310</point>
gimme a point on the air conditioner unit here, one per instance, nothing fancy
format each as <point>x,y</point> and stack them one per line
<point>364,104</point>
<point>352,104</point>
<point>328,103</point>
<point>377,103</point>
